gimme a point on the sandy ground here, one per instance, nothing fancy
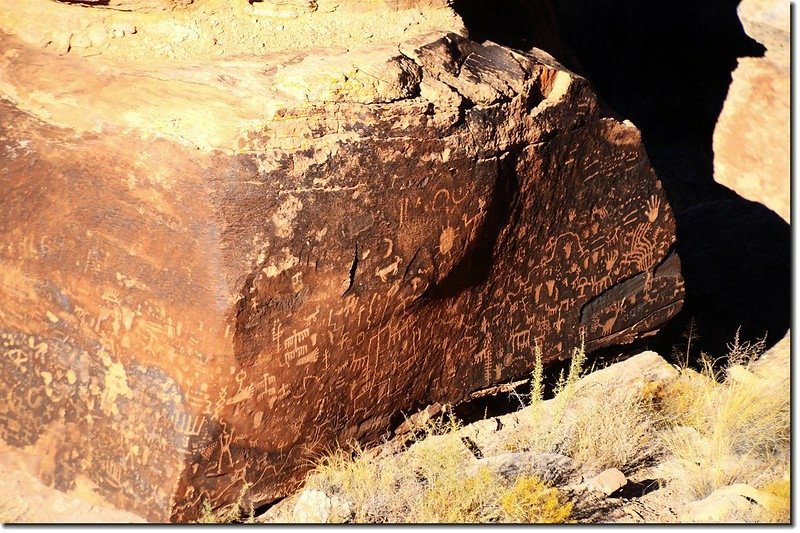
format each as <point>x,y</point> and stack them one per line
<point>26,500</point>
<point>214,28</point>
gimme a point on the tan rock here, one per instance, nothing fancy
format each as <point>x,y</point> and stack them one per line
<point>727,504</point>
<point>316,507</point>
<point>80,40</point>
<point>97,34</point>
<point>24,499</point>
<point>774,365</point>
<point>751,139</point>
<point>122,28</point>
<point>607,482</point>
<point>552,468</point>
<point>135,5</point>
<point>635,372</point>
<point>366,76</point>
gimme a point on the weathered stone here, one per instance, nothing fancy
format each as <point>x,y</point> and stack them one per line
<point>634,373</point>
<point>316,507</point>
<point>607,482</point>
<point>775,363</point>
<point>419,420</point>
<point>207,281</point>
<point>733,503</point>
<point>24,499</point>
<point>552,468</point>
<point>751,140</point>
<point>133,5</point>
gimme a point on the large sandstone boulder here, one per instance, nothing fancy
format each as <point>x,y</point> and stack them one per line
<point>751,141</point>
<point>218,264</point>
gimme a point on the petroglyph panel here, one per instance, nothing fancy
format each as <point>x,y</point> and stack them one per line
<point>176,323</point>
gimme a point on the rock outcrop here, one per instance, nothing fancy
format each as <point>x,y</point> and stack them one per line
<point>218,264</point>
<point>751,140</point>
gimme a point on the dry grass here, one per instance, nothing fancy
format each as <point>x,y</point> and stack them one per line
<point>433,482</point>
<point>779,507</point>
<point>743,353</point>
<point>617,435</point>
<point>724,432</point>
<point>712,427</point>
<point>529,501</point>
<point>227,514</point>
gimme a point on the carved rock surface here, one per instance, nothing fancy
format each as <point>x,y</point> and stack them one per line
<point>751,140</point>
<point>207,277</point>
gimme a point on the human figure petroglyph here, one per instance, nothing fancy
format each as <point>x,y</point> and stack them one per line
<point>323,366</point>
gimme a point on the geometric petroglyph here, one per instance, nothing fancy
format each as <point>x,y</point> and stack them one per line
<point>177,323</point>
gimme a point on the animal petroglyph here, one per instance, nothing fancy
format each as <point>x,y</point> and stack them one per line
<point>185,321</point>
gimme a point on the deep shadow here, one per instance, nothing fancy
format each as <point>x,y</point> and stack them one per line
<point>666,65</point>
<point>636,489</point>
<point>521,24</point>
<point>474,267</point>
<point>503,403</point>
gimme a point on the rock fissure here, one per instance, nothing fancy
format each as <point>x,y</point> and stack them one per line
<point>363,230</point>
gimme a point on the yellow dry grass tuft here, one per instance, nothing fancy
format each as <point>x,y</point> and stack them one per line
<point>434,481</point>
<point>531,501</point>
<point>724,432</point>
<point>450,497</point>
<point>778,508</point>
<point>227,514</point>
<point>618,435</point>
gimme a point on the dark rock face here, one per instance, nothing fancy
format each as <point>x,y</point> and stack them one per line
<point>177,323</point>
<point>688,74</point>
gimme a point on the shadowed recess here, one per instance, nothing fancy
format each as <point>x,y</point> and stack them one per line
<point>667,67</point>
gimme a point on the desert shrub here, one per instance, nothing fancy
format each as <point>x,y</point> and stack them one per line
<point>597,427</point>
<point>458,499</point>
<point>226,514</point>
<point>778,508</point>
<point>725,431</point>
<point>531,501</point>
<point>537,379</point>
<point>615,434</point>
<point>745,352</point>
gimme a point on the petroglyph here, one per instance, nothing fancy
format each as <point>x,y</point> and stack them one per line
<point>368,246</point>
